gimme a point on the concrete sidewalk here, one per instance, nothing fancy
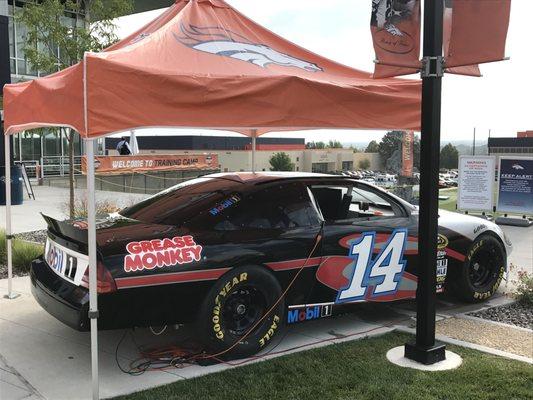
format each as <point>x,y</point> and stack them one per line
<point>52,201</point>
<point>46,359</point>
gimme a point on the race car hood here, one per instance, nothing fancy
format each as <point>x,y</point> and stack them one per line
<point>471,227</point>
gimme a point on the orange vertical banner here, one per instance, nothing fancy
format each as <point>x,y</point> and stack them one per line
<point>478,31</point>
<point>395,27</point>
<point>470,70</point>
<point>408,153</point>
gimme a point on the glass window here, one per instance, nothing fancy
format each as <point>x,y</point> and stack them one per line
<point>368,203</point>
<point>344,203</point>
<point>179,204</point>
<point>52,144</point>
<point>276,207</point>
<point>11,34</point>
<point>347,165</point>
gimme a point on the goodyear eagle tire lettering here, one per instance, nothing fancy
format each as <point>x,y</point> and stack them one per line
<point>234,306</point>
<point>482,271</point>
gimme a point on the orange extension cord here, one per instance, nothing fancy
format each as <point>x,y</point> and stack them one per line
<point>174,356</point>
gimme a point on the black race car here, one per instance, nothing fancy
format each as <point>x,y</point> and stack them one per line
<point>242,254</point>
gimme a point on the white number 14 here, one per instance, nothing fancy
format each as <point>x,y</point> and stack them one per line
<point>383,274</point>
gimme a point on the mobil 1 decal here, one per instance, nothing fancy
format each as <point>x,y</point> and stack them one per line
<point>301,314</point>
<point>159,253</point>
<point>375,277</point>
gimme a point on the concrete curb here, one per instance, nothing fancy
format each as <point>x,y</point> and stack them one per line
<point>473,346</point>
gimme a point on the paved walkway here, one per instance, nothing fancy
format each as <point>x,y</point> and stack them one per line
<point>52,201</point>
<point>55,360</point>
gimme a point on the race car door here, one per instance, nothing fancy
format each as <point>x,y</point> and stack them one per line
<point>369,241</point>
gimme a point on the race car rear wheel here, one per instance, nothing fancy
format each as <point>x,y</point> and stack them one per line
<point>235,307</point>
<point>482,271</point>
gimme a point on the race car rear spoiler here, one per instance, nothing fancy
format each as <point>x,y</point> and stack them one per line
<point>75,230</point>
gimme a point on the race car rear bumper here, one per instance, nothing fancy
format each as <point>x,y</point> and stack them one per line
<point>61,299</point>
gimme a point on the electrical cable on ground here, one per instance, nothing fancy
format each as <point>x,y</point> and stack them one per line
<point>177,357</point>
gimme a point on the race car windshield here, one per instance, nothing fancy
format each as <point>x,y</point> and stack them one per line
<point>177,204</point>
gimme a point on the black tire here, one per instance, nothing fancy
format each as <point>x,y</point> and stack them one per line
<point>482,270</point>
<point>233,306</point>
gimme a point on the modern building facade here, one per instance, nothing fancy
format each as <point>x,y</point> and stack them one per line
<point>234,153</point>
<point>522,145</point>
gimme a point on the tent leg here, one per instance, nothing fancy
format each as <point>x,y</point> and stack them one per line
<point>91,231</point>
<point>10,294</point>
<point>254,137</point>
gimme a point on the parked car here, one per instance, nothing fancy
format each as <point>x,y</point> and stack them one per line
<point>220,251</point>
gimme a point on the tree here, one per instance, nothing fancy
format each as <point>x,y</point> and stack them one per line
<point>373,147</point>
<point>46,32</point>
<point>364,163</point>
<point>392,141</point>
<point>416,151</point>
<point>320,145</point>
<point>449,157</point>
<point>334,144</point>
<point>281,162</point>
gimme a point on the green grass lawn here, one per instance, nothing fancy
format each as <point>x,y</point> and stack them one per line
<point>451,202</point>
<point>357,370</point>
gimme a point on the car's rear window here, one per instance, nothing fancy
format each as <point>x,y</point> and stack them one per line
<point>176,205</point>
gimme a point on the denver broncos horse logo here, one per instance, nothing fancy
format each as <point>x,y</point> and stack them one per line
<point>219,41</point>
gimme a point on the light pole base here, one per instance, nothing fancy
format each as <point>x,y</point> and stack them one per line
<point>11,296</point>
<point>397,357</point>
<point>425,355</point>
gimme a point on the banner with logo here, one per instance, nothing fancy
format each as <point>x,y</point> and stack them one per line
<point>476,183</point>
<point>515,185</point>
<point>395,27</point>
<point>147,163</point>
<point>408,153</point>
<point>477,32</point>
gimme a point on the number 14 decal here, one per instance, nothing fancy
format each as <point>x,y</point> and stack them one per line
<point>383,274</point>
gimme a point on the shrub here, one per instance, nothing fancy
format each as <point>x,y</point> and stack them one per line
<point>524,290</point>
<point>103,207</point>
<point>23,253</point>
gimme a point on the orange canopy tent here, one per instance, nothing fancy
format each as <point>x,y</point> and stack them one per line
<point>203,64</point>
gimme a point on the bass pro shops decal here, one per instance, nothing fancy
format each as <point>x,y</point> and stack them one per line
<point>159,253</point>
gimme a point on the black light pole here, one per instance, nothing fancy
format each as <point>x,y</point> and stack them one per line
<point>5,73</point>
<point>425,350</point>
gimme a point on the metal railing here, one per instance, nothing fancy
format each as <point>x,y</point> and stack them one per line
<point>51,166</point>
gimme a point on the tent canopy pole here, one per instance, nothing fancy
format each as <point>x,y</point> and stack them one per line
<point>254,138</point>
<point>91,232</point>
<point>7,148</point>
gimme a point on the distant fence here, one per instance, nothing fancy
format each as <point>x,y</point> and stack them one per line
<point>51,166</point>
<point>148,183</point>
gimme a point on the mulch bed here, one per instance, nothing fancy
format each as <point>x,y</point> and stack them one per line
<point>3,272</point>
<point>517,314</point>
<point>34,236</point>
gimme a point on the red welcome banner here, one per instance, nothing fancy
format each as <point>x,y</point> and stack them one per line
<point>408,153</point>
<point>145,163</point>
<point>395,27</point>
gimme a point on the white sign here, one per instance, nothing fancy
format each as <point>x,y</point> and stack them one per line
<point>476,183</point>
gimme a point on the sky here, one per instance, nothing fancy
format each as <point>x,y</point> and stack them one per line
<point>501,100</point>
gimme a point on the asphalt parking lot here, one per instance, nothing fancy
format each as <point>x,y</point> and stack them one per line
<point>42,358</point>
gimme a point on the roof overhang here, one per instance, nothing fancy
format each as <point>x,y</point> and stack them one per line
<point>148,5</point>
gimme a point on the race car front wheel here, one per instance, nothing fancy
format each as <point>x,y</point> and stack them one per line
<point>232,321</point>
<point>482,271</point>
